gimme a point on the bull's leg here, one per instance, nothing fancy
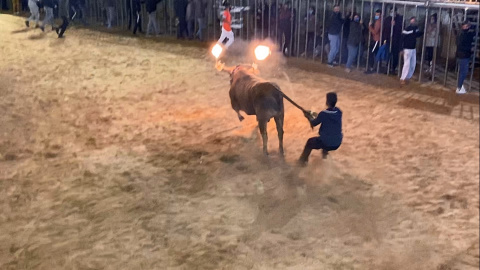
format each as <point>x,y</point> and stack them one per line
<point>262,125</point>
<point>279,124</point>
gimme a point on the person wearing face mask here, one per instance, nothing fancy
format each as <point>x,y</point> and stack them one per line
<point>410,35</point>
<point>397,20</point>
<point>374,29</point>
<point>463,54</point>
<point>335,24</point>
<point>354,39</point>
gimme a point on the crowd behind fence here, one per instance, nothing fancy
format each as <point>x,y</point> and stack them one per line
<point>299,28</point>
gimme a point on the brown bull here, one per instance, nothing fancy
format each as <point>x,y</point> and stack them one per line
<point>256,96</point>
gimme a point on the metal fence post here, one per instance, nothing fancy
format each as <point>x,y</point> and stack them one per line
<point>475,49</point>
<point>434,60</point>
<point>450,29</point>
<point>380,42</point>
<point>391,39</point>
<point>323,30</point>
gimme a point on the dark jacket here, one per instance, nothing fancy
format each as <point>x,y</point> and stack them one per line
<point>464,44</point>
<point>151,5</point>
<point>48,3</point>
<point>410,35</point>
<point>331,129</point>
<point>180,7</point>
<point>355,35</point>
<point>335,23</point>
<point>199,9</point>
<point>397,29</point>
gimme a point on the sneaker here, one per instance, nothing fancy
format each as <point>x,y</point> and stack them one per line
<point>348,70</point>
<point>27,23</point>
<point>324,154</point>
<point>461,91</point>
<point>330,65</point>
<point>403,82</point>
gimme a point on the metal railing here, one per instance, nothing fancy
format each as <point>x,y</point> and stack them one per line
<point>290,30</point>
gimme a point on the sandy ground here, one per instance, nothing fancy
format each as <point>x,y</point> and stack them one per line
<point>124,153</point>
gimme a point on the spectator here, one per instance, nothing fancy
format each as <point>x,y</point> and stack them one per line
<point>110,5</point>
<point>48,6</point>
<point>151,7</point>
<point>431,40</point>
<point>35,13</point>
<point>181,13</point>
<point>410,35</point>
<point>397,21</point>
<point>374,29</point>
<point>137,15</point>
<point>354,40</point>
<point>285,21</point>
<point>190,17</point>
<point>200,17</point>
<point>334,27</point>
<point>227,32</point>
<point>310,22</point>
<point>464,53</point>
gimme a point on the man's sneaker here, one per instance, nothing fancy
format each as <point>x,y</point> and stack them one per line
<point>461,91</point>
<point>324,154</point>
<point>330,65</point>
<point>27,23</point>
<point>348,70</point>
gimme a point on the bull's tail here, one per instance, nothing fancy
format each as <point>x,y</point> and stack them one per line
<point>290,100</point>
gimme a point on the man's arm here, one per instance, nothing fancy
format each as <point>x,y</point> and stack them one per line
<point>317,120</point>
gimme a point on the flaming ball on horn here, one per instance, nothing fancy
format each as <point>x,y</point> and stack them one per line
<point>217,50</point>
<point>262,52</point>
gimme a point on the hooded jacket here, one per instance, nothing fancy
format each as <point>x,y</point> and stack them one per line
<point>331,129</point>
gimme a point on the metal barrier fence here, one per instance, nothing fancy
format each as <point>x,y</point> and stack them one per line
<point>289,25</point>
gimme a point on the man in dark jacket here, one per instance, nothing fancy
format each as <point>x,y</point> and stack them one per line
<point>334,27</point>
<point>354,39</point>
<point>286,28</point>
<point>464,53</point>
<point>330,131</point>
<point>410,35</point>
<point>181,13</point>
<point>137,15</point>
<point>397,21</point>
<point>199,12</point>
<point>151,7</point>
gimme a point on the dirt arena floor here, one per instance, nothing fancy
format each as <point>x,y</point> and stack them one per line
<point>124,153</point>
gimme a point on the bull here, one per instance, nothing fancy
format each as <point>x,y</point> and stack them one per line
<point>255,96</point>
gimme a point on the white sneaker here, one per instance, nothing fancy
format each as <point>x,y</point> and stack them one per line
<point>461,91</point>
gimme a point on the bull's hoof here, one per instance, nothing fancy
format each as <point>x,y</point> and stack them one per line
<point>241,118</point>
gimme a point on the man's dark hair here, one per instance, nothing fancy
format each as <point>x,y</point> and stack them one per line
<point>226,4</point>
<point>465,23</point>
<point>331,99</point>
<point>378,11</point>
<point>336,6</point>
<point>413,18</point>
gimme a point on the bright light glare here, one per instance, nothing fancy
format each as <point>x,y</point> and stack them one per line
<point>217,50</point>
<point>262,52</point>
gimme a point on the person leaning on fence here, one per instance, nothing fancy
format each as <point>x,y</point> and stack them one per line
<point>463,54</point>
<point>330,131</point>
<point>354,40</point>
<point>48,6</point>
<point>396,20</point>
<point>137,16</point>
<point>199,13</point>
<point>35,13</point>
<point>431,41</point>
<point>227,32</point>
<point>190,19</point>
<point>334,28</point>
<point>151,7</point>
<point>410,35</point>
<point>181,13</point>
<point>110,6</point>
<point>374,28</point>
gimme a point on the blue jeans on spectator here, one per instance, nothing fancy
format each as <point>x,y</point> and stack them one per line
<point>352,54</point>
<point>462,70</point>
<point>334,47</point>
